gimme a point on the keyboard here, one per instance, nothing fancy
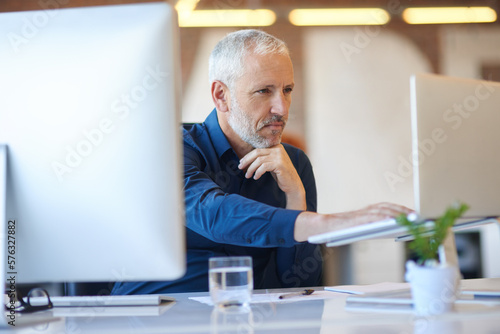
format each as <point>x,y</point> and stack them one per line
<point>384,228</point>
<point>388,228</point>
<point>97,301</point>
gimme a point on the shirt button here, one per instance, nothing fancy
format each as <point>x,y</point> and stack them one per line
<point>249,241</point>
<point>281,241</point>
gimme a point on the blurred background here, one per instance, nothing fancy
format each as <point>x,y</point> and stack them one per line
<point>351,104</point>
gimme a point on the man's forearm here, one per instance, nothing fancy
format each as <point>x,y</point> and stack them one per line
<point>296,200</point>
<point>311,223</point>
<point>307,224</point>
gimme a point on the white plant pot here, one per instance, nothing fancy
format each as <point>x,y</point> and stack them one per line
<point>434,289</point>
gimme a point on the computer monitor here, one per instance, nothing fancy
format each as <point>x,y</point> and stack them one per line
<point>455,133</point>
<point>455,144</point>
<point>455,140</point>
<point>90,123</point>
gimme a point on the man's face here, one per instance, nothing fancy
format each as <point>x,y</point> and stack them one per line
<point>261,99</point>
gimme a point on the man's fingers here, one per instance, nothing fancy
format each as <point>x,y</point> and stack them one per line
<point>261,170</point>
<point>257,168</point>
<point>261,160</point>
<point>251,157</point>
<point>386,210</point>
<point>276,161</point>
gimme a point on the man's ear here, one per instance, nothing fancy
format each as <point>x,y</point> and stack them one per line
<point>220,96</point>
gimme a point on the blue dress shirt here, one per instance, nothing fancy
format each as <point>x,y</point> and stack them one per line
<point>227,214</point>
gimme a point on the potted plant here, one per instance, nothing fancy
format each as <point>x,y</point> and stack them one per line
<point>434,283</point>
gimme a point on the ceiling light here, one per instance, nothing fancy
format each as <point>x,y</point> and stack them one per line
<point>228,18</point>
<point>338,16</point>
<point>437,15</point>
<point>186,5</point>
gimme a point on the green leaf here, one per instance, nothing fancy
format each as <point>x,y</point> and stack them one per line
<point>426,247</point>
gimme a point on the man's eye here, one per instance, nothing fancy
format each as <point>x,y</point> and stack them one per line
<point>288,90</point>
<point>264,91</point>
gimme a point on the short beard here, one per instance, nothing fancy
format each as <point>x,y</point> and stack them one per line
<point>241,124</point>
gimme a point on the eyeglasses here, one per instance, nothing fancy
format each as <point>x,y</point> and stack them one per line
<point>37,299</point>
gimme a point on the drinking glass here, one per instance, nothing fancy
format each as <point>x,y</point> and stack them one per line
<point>230,280</point>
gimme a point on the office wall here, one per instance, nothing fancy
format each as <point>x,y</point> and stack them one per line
<point>468,50</point>
<point>474,52</point>
<point>358,131</point>
<point>197,101</point>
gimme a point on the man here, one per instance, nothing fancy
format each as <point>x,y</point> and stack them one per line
<point>247,193</point>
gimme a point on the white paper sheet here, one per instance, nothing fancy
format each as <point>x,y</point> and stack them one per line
<point>275,297</point>
<point>370,288</point>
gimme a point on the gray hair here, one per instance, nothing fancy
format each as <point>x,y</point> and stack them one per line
<point>226,60</point>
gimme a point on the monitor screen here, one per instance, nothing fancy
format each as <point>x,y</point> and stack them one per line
<point>90,119</point>
<point>455,144</point>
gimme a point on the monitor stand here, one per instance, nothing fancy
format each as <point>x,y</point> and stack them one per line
<point>8,273</point>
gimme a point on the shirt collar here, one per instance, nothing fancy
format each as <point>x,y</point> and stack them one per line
<point>219,140</point>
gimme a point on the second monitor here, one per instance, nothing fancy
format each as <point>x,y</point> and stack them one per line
<point>90,116</point>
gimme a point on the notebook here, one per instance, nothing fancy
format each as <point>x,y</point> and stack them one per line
<point>455,141</point>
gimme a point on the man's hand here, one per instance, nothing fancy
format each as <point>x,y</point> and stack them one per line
<point>373,213</point>
<point>311,223</point>
<point>276,161</point>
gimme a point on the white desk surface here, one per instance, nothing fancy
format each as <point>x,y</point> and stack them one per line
<point>309,315</point>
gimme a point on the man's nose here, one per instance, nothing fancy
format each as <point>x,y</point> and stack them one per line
<point>280,105</point>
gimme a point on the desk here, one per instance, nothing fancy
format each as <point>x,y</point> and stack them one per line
<point>304,317</point>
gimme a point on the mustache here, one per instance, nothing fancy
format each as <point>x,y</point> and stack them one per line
<point>274,119</point>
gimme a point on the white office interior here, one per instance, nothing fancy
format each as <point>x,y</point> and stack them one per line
<point>357,126</point>
<point>351,114</point>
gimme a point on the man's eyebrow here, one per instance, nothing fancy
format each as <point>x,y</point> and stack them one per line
<point>257,87</point>
<point>273,86</point>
